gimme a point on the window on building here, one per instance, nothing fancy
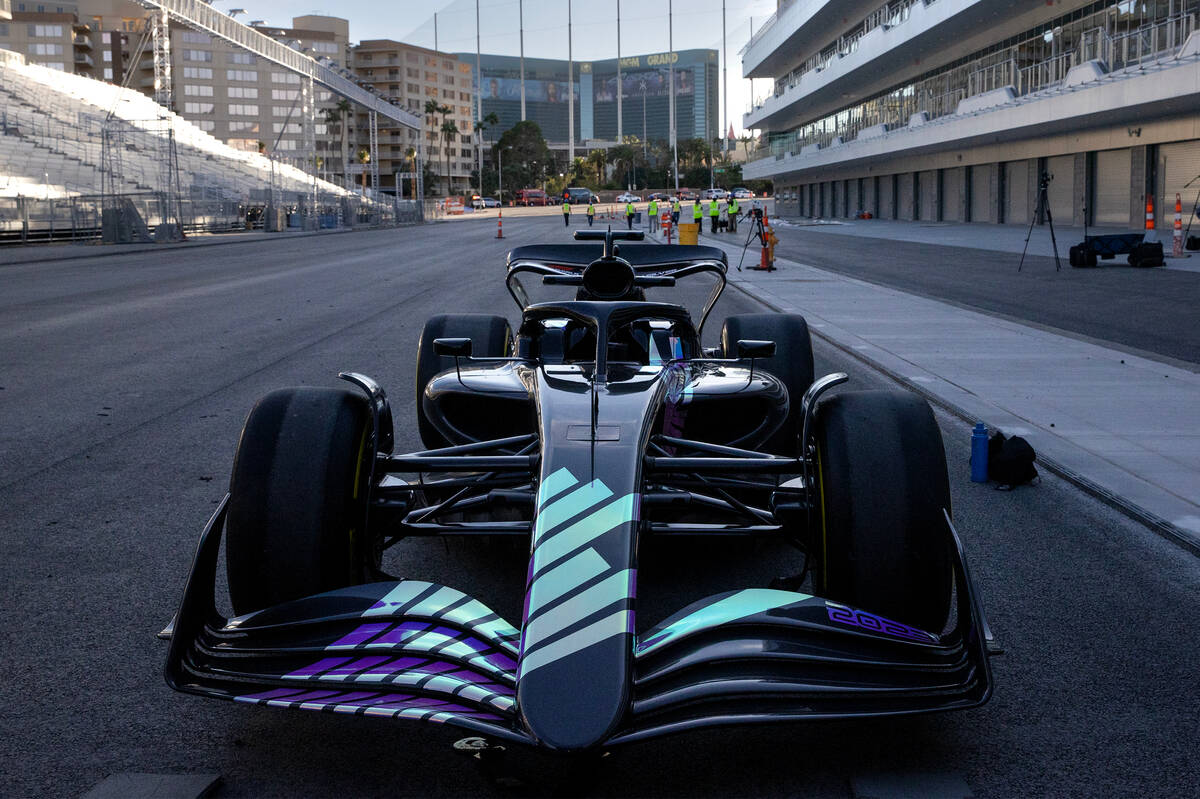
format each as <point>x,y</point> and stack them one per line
<point>239,58</point>
<point>105,37</point>
<point>413,88</point>
<point>448,80</point>
<point>321,129</point>
<point>197,73</point>
<point>412,73</point>
<point>198,108</point>
<point>324,97</point>
<point>243,127</point>
<point>285,77</point>
<point>284,94</point>
<point>281,110</point>
<point>131,24</point>
<point>243,93</point>
<point>108,55</point>
<point>447,65</point>
<point>197,55</point>
<point>45,31</point>
<point>412,58</point>
<point>447,94</point>
<point>287,144</point>
<point>60,66</point>
<point>42,48</point>
<point>325,47</point>
<point>241,74</point>
<point>108,73</point>
<point>197,91</point>
<point>195,37</point>
<point>243,110</point>
<point>207,125</point>
<point>364,56</point>
<point>289,127</point>
<point>431,77</point>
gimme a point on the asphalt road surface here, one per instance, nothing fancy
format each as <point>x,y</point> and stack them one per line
<point>1148,311</point>
<point>124,382</point>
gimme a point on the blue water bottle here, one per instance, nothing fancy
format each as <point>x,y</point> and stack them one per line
<point>979,453</point>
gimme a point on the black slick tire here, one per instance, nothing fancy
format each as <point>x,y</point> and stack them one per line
<point>792,364</point>
<point>490,337</point>
<point>880,541</point>
<point>296,524</point>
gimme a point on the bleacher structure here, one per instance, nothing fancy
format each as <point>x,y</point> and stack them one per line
<point>77,155</point>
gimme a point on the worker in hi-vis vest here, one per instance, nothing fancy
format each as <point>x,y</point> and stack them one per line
<point>652,210</point>
<point>675,208</point>
<point>733,214</point>
<point>697,216</point>
<point>566,213</point>
<point>714,211</point>
<point>629,215</point>
<point>591,213</point>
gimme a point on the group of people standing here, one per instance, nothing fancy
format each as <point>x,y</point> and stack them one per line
<point>717,211</point>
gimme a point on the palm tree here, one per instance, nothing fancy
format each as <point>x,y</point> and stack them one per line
<point>449,129</point>
<point>340,115</point>
<point>411,156</point>
<point>364,158</point>
<point>598,159</point>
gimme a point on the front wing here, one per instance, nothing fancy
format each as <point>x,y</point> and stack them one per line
<point>417,650</point>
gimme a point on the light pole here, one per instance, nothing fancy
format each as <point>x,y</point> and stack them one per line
<point>500,178</point>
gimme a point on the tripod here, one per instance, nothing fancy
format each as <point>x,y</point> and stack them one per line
<point>1195,207</point>
<point>755,229</point>
<point>1043,206</point>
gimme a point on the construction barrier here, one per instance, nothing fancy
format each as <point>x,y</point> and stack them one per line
<point>500,223</point>
<point>689,233</point>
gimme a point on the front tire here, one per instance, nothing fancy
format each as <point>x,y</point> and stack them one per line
<point>880,542</point>
<point>490,337</point>
<point>792,364</point>
<point>296,523</point>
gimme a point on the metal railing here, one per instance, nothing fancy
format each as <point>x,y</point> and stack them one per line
<point>939,95</point>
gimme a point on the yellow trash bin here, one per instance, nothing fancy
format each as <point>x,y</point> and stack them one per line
<point>689,233</point>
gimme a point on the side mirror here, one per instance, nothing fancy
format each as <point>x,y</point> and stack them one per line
<point>461,347</point>
<point>749,348</point>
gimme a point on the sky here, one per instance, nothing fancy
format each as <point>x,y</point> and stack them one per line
<point>697,24</point>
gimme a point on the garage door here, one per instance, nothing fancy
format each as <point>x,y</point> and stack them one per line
<point>1016,193</point>
<point>952,193</point>
<point>928,196</point>
<point>887,190</point>
<point>855,196</point>
<point>904,196</point>
<point>1062,188</point>
<point>1179,164</point>
<point>1114,176</point>
<point>981,193</point>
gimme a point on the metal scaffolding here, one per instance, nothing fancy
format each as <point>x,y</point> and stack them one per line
<point>160,29</point>
<point>374,161</point>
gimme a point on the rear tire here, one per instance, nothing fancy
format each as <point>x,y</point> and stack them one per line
<point>296,524</point>
<point>880,542</point>
<point>490,337</point>
<point>792,364</point>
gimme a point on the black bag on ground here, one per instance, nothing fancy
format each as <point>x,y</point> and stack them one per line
<point>1148,253</point>
<point>1193,243</point>
<point>1010,460</point>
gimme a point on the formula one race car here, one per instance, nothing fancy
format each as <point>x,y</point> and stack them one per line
<point>598,422</point>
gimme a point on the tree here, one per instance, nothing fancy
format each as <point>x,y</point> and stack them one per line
<point>364,158</point>
<point>598,160</point>
<point>410,155</point>
<point>527,156</point>
<point>447,128</point>
<point>339,115</point>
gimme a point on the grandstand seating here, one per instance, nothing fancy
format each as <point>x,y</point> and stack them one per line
<point>51,143</point>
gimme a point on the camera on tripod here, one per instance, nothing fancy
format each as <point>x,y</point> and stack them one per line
<point>758,213</point>
<point>1044,180</point>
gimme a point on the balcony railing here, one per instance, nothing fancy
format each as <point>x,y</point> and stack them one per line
<point>940,95</point>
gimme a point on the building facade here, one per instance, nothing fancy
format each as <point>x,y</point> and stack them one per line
<point>956,110</point>
<point>412,76</point>
<point>644,89</point>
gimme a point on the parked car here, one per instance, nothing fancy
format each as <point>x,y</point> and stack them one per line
<point>629,198</point>
<point>532,197</point>
<point>685,195</point>
<point>742,193</point>
<point>491,202</point>
<point>661,196</point>
<point>713,194</point>
<point>578,195</point>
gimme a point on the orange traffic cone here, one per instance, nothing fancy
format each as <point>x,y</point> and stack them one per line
<point>500,224</point>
